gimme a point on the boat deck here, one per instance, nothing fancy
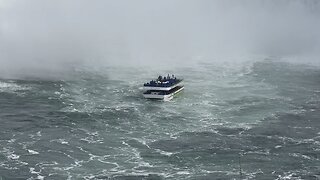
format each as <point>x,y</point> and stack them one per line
<point>165,84</point>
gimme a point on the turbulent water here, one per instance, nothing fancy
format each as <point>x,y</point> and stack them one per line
<point>253,120</point>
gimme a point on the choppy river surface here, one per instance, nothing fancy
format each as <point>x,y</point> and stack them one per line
<point>261,115</point>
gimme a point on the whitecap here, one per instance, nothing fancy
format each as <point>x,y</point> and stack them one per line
<point>40,177</point>
<point>57,93</point>
<point>11,140</point>
<point>13,156</point>
<point>278,146</point>
<point>64,142</point>
<point>145,164</point>
<point>164,152</point>
<point>61,141</point>
<point>32,151</point>
<point>287,176</point>
<point>91,140</point>
<point>183,172</point>
<point>124,143</point>
<point>11,87</point>
<point>32,171</point>
<point>142,141</point>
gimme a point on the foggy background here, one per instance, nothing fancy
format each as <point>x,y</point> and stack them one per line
<point>41,37</point>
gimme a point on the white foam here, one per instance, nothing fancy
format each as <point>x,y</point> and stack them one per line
<point>32,151</point>
<point>32,171</point>
<point>11,140</point>
<point>61,141</point>
<point>91,140</point>
<point>145,164</point>
<point>164,152</point>
<point>40,177</point>
<point>278,146</point>
<point>300,155</point>
<point>288,176</point>
<point>124,143</point>
<point>57,93</point>
<point>11,87</point>
<point>183,172</point>
<point>13,156</point>
<point>142,141</point>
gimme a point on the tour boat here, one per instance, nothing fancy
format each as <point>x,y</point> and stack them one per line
<point>163,88</point>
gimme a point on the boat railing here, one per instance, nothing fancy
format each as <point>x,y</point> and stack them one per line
<point>167,83</point>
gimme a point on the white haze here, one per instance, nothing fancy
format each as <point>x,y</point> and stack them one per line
<point>41,37</point>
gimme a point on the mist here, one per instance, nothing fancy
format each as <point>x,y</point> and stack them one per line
<point>42,37</point>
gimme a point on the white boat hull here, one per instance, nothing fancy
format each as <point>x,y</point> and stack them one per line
<point>166,97</point>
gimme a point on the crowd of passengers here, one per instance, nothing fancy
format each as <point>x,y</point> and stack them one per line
<point>163,81</point>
